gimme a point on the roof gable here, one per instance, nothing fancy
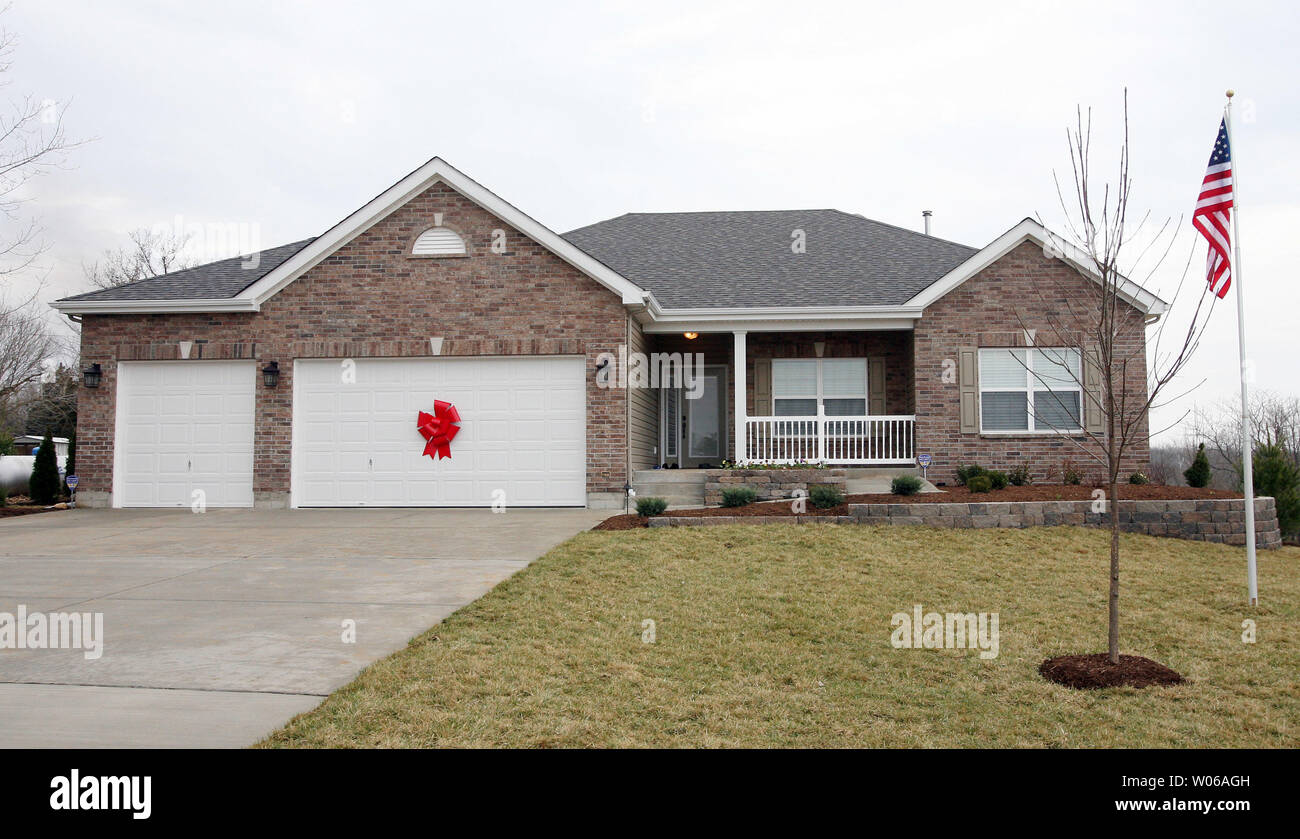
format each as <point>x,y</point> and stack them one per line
<point>1029,230</point>
<point>211,287</point>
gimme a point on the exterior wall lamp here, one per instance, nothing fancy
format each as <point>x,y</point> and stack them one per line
<point>92,375</point>
<point>271,374</point>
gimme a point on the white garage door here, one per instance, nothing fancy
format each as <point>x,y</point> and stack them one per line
<point>522,434</point>
<point>184,426</point>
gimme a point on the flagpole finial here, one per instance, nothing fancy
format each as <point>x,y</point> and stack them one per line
<point>1230,92</point>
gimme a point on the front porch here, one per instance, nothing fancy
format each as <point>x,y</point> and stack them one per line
<point>839,398</point>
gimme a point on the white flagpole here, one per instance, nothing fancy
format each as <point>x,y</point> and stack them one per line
<point>1247,443</point>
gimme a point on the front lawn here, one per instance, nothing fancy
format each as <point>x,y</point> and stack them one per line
<point>780,636</point>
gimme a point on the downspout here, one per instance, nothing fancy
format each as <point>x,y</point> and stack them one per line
<point>627,420</point>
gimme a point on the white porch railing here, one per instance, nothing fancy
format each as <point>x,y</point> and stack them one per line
<point>866,440</point>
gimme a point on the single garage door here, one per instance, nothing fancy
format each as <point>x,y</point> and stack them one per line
<point>184,426</point>
<point>522,433</point>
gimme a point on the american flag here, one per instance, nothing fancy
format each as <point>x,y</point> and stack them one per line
<point>1212,214</point>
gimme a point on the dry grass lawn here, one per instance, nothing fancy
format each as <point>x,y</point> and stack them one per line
<point>779,636</point>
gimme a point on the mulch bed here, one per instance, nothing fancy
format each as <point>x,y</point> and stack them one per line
<point>949,495</point>
<point>7,512</point>
<point>1086,672</point>
<point>21,505</point>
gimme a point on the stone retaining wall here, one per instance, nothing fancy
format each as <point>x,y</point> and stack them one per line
<point>1220,520</point>
<point>770,484</point>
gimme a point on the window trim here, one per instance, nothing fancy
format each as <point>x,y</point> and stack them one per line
<point>821,395</point>
<point>1032,384</point>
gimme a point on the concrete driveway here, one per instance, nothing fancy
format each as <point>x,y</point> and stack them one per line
<point>220,626</point>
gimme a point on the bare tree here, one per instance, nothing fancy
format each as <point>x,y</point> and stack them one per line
<point>1112,332</point>
<point>32,143</point>
<point>151,253</point>
<point>1274,420</point>
<point>27,344</point>
<point>1168,463</point>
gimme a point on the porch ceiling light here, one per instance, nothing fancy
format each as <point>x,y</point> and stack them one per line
<point>691,336</point>
<point>91,375</point>
<point>271,374</point>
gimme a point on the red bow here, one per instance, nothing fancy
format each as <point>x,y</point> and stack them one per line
<point>437,428</point>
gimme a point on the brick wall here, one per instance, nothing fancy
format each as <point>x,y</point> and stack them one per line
<point>370,299</point>
<point>1022,290</point>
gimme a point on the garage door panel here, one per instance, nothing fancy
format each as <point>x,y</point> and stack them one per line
<point>508,423</point>
<point>353,431</point>
<point>355,462</point>
<point>561,400</point>
<point>318,403</point>
<point>494,400</point>
<point>529,461</point>
<point>528,431</point>
<point>170,431</point>
<point>498,461</point>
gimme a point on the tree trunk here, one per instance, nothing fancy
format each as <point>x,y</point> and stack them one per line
<point>1112,647</point>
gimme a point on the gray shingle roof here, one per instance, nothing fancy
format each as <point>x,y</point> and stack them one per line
<point>743,259</point>
<point>216,280</point>
<point>688,260</point>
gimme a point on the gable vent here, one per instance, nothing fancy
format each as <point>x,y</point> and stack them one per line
<point>438,241</point>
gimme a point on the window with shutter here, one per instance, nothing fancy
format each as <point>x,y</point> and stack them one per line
<point>839,385</point>
<point>1030,389</point>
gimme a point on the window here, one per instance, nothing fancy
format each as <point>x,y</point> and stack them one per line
<point>439,241</point>
<point>839,385</point>
<point>1030,390</point>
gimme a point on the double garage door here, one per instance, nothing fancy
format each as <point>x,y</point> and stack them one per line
<point>189,425</point>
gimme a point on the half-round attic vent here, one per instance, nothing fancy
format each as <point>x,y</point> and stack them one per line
<point>438,241</point>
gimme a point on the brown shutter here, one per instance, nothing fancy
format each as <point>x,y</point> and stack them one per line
<point>876,386</point>
<point>1094,418</point>
<point>762,387</point>
<point>968,384</point>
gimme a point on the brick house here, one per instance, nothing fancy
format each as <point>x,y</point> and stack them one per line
<point>294,377</point>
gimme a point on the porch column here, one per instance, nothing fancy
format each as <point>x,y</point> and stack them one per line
<point>738,376</point>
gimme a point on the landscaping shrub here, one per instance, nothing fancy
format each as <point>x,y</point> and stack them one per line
<point>1198,474</point>
<point>44,487</point>
<point>998,480</point>
<point>1071,474</point>
<point>1019,476</point>
<point>650,506</point>
<point>1138,478</point>
<point>905,485</point>
<point>979,483</point>
<point>4,497</point>
<point>6,443</point>
<point>738,496</point>
<point>965,473</point>
<point>824,496</point>
<point>1276,474</point>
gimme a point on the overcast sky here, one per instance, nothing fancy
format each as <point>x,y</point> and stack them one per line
<point>276,120</point>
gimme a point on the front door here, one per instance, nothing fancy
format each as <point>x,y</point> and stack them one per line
<point>695,429</point>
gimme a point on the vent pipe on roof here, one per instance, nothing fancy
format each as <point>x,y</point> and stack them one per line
<point>925,216</point>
